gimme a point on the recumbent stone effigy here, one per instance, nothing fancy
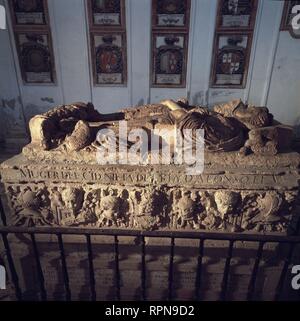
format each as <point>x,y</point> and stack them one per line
<point>250,181</point>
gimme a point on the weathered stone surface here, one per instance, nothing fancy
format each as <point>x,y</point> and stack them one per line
<point>57,180</point>
<point>250,183</point>
<point>69,129</point>
<point>241,198</point>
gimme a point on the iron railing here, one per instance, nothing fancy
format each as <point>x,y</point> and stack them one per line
<point>261,240</point>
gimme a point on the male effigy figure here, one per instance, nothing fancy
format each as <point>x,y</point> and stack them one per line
<point>232,126</point>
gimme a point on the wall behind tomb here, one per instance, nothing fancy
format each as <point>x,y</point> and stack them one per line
<point>273,75</point>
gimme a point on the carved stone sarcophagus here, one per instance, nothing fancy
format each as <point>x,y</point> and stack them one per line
<point>250,180</point>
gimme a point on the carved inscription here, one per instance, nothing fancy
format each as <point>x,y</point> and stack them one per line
<point>175,178</point>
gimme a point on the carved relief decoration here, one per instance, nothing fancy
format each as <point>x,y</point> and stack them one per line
<point>151,208</point>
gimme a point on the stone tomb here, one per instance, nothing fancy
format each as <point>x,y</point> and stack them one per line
<point>249,185</point>
<point>250,194</point>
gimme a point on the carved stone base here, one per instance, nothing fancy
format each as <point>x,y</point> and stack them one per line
<point>234,194</point>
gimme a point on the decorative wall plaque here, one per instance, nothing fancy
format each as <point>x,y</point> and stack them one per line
<point>236,14</point>
<point>171,13</point>
<point>231,58</point>
<point>170,32</point>
<point>286,22</point>
<point>106,13</point>
<point>169,60</point>
<point>29,12</point>
<point>109,58</point>
<point>36,58</point>
<point>33,40</point>
<point>232,44</point>
<point>108,41</point>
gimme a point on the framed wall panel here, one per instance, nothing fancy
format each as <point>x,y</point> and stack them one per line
<point>109,58</point>
<point>36,56</point>
<point>236,14</point>
<point>32,32</point>
<point>106,13</point>
<point>231,59</point>
<point>287,16</point>
<point>29,12</point>
<point>169,59</point>
<point>232,43</point>
<point>108,42</point>
<point>170,34</point>
<point>171,14</point>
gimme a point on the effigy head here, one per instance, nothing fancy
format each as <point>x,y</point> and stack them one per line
<point>250,116</point>
<point>228,109</point>
<point>255,117</point>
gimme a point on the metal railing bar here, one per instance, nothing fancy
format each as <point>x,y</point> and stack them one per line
<point>64,267</point>
<point>2,213</point>
<point>91,268</point>
<point>252,281</point>
<point>12,268</point>
<point>199,270</point>
<point>166,234</point>
<point>39,268</point>
<point>143,272</point>
<point>171,270</point>
<point>226,271</point>
<point>285,267</point>
<point>117,269</point>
